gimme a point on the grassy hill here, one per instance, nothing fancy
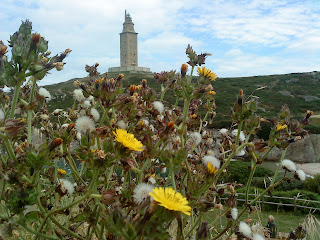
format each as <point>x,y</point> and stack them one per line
<point>300,91</point>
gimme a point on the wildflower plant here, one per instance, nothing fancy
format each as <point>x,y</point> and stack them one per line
<point>122,163</point>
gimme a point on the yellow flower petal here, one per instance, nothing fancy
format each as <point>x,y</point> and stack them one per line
<point>171,200</point>
<point>128,140</point>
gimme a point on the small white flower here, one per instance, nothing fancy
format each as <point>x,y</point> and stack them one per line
<point>258,237</point>
<point>158,106</point>
<point>224,131</point>
<point>90,98</point>
<point>86,104</point>
<point>44,117</point>
<point>195,138</point>
<point>45,93</point>
<point>78,95</point>
<point>1,115</point>
<point>85,124</point>
<point>301,175</point>
<point>141,192</point>
<point>95,114</point>
<point>212,160</point>
<point>145,121</point>
<point>289,165</point>
<point>234,213</point>
<point>67,185</point>
<point>245,229</point>
<point>121,124</point>
<point>164,170</point>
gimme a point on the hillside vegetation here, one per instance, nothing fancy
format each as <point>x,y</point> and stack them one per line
<point>300,91</point>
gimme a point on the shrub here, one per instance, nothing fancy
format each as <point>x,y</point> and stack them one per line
<point>313,184</point>
<point>240,171</point>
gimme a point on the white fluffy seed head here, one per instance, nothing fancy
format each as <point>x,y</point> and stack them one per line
<point>301,175</point>
<point>195,138</point>
<point>1,115</point>
<point>121,124</point>
<point>44,117</point>
<point>242,137</point>
<point>257,237</point>
<point>45,93</point>
<point>85,124</point>
<point>245,229</point>
<point>212,160</point>
<point>158,106</point>
<point>289,165</point>
<point>224,131</point>
<point>78,95</point>
<point>95,114</point>
<point>234,213</point>
<point>86,104</point>
<point>141,192</point>
<point>67,185</point>
<point>241,153</point>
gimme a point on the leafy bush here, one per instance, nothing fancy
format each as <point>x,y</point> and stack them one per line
<point>261,182</point>
<point>302,194</point>
<point>313,184</point>
<point>240,171</point>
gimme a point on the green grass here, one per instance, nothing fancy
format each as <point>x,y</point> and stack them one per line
<point>286,221</point>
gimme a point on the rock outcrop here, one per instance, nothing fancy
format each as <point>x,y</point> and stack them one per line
<point>306,150</point>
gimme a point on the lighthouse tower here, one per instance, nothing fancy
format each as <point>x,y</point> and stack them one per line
<point>129,49</point>
<point>128,43</point>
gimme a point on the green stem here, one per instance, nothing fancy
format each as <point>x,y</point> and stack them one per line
<point>279,166</point>
<point>37,233</point>
<point>251,176</point>
<point>15,98</point>
<point>30,111</point>
<point>239,131</point>
<point>204,119</point>
<point>172,176</point>
<point>196,224</point>
<point>8,147</point>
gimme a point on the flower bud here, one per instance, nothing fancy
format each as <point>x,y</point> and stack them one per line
<point>36,37</point>
<point>55,143</point>
<point>184,69</point>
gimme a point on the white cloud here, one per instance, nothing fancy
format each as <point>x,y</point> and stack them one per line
<point>247,37</point>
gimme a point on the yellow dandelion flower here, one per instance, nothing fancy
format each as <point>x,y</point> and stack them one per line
<point>170,199</point>
<point>61,171</point>
<point>128,140</point>
<point>211,169</point>
<point>207,73</point>
<point>281,127</point>
<point>212,92</point>
<point>193,116</point>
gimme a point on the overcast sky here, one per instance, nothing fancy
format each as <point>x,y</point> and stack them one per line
<point>245,37</point>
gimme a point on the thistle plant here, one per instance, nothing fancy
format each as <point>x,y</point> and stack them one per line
<point>122,163</point>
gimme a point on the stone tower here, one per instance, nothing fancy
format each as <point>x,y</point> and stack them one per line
<point>128,49</point>
<point>128,43</point>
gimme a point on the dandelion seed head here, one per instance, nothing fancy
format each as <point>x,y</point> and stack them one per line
<point>234,213</point>
<point>158,106</point>
<point>1,115</point>
<point>245,229</point>
<point>224,131</point>
<point>86,104</point>
<point>289,165</point>
<point>95,114</point>
<point>141,192</point>
<point>78,95</point>
<point>195,138</point>
<point>211,160</point>
<point>258,237</point>
<point>85,124</point>
<point>67,185</point>
<point>45,93</point>
<point>301,175</point>
<point>121,124</point>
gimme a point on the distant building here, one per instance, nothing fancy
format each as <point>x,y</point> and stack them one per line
<point>129,49</point>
